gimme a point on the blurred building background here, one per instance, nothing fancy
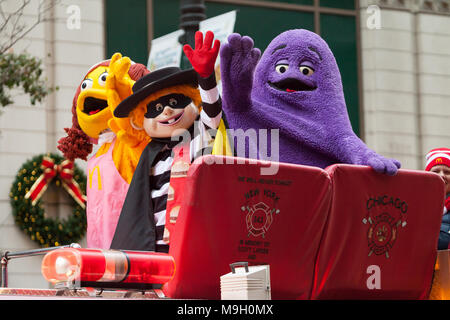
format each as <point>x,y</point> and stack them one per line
<point>394,57</point>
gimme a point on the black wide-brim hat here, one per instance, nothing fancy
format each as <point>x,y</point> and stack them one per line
<point>153,82</point>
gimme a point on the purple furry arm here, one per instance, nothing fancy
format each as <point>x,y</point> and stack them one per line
<point>358,153</point>
<point>238,60</point>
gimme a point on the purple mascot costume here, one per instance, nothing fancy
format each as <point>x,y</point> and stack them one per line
<point>295,87</point>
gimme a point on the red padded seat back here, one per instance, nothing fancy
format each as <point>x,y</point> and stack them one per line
<point>381,236</point>
<point>233,213</point>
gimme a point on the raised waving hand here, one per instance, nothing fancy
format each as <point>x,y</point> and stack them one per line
<point>203,57</point>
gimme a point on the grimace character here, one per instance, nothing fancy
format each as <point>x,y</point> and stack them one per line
<point>295,87</point>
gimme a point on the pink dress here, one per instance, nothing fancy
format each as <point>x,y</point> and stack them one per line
<point>106,192</point>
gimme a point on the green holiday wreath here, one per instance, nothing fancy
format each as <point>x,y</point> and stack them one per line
<point>31,182</point>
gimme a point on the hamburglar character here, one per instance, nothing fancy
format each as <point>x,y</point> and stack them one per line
<point>166,103</point>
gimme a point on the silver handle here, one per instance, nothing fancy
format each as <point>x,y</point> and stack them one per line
<point>234,265</point>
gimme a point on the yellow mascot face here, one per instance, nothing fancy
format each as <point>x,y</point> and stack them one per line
<point>92,106</point>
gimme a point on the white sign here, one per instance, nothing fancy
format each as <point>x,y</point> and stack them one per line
<point>222,26</point>
<point>166,50</point>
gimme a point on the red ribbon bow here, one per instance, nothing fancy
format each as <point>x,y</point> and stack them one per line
<point>65,171</point>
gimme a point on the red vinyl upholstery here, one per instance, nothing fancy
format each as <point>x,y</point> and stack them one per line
<point>381,236</point>
<point>232,213</point>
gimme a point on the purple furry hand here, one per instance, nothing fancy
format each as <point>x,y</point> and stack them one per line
<point>238,59</point>
<point>379,163</point>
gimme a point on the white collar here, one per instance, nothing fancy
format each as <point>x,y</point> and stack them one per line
<point>107,136</point>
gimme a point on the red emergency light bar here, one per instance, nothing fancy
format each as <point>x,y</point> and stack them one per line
<point>108,268</point>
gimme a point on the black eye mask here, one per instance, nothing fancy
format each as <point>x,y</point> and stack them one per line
<point>174,100</point>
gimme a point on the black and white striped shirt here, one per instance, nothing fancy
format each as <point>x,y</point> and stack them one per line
<point>201,143</point>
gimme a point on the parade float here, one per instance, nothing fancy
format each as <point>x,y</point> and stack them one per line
<point>349,233</point>
<point>352,226</point>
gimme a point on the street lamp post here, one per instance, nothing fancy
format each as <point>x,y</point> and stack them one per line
<point>191,13</point>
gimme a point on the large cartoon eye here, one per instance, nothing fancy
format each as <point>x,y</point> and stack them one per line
<point>159,107</point>
<point>173,102</point>
<point>86,84</point>
<point>282,68</point>
<point>307,71</point>
<point>102,79</point>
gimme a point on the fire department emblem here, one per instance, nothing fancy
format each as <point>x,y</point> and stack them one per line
<point>259,218</point>
<point>384,227</point>
<point>382,234</point>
